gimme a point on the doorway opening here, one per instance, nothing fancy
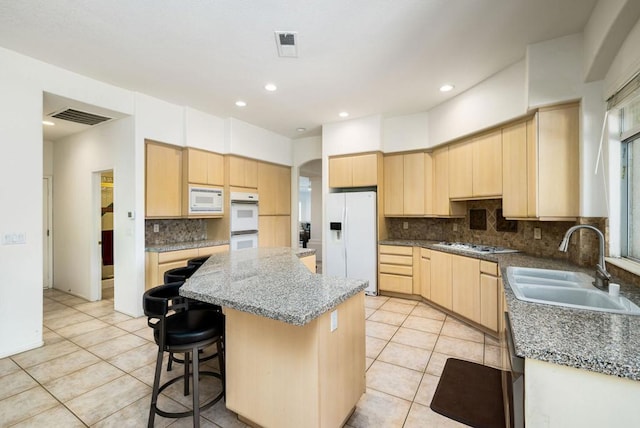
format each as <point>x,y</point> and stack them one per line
<point>106,233</point>
<point>47,241</point>
<point>310,208</point>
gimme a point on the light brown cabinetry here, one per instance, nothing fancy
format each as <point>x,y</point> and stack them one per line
<point>243,172</point>
<point>203,167</point>
<point>465,279</point>
<point>490,299</point>
<point>475,167</point>
<point>395,269</point>
<point>441,204</point>
<point>405,179</point>
<point>541,165</point>
<point>274,231</point>
<point>354,170</point>
<point>163,170</point>
<point>487,165</point>
<point>441,279</point>
<point>461,170</point>
<point>156,264</point>
<point>274,189</point>
<point>425,273</point>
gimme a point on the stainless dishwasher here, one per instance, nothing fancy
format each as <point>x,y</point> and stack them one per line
<point>513,381</point>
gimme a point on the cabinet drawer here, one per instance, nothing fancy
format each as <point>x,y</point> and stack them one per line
<point>425,253</point>
<point>396,269</point>
<point>395,249</point>
<point>172,256</point>
<point>396,260</point>
<point>396,283</point>
<point>490,268</point>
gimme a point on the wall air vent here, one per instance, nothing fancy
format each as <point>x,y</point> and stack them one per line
<point>81,117</point>
<point>287,43</point>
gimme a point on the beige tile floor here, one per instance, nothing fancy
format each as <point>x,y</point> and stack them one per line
<point>96,368</point>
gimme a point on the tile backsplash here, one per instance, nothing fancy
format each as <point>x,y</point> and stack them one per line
<point>584,250</point>
<point>178,230</point>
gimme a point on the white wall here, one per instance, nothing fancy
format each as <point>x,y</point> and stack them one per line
<point>554,71</point>
<point>245,139</point>
<point>626,63</point>
<point>76,159</point>
<point>352,136</point>
<point>402,133</point>
<point>498,99</point>
<point>203,131</point>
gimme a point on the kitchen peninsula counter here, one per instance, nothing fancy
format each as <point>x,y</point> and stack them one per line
<point>294,340</point>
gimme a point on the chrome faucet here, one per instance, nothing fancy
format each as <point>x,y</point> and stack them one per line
<point>602,277</point>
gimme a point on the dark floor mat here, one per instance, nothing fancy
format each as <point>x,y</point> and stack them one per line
<point>470,393</point>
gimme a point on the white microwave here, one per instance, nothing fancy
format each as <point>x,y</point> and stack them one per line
<point>206,200</point>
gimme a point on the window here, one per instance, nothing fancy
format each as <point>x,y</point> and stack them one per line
<point>630,174</point>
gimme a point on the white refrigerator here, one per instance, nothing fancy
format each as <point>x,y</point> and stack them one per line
<point>352,237</point>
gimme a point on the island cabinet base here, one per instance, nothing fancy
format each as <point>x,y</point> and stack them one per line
<point>282,375</point>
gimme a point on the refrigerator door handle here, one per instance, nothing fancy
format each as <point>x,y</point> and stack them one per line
<point>345,234</point>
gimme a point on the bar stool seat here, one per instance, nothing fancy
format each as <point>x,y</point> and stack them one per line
<point>183,330</point>
<point>197,261</point>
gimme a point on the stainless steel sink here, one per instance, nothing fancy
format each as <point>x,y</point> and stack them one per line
<point>565,288</point>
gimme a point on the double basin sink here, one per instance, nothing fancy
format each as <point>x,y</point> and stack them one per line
<point>565,288</point>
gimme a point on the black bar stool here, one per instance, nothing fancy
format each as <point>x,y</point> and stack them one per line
<point>197,261</point>
<point>176,328</point>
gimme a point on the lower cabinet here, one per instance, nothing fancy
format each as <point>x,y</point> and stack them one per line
<point>309,262</point>
<point>396,269</point>
<point>441,279</point>
<point>156,264</point>
<point>466,286</point>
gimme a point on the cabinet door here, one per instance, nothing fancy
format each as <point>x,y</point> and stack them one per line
<point>196,163</point>
<point>340,172</point>
<point>532,167</point>
<point>163,180</point>
<point>514,168</point>
<point>425,277</point>
<point>243,172</point>
<point>461,170</point>
<point>215,169</point>
<point>489,301</point>
<point>414,184</point>
<point>364,170</point>
<point>393,185</point>
<point>274,231</point>
<point>250,173</point>
<point>466,287</point>
<point>396,283</point>
<point>441,181</point>
<point>558,162</point>
<point>428,184</point>
<point>267,188</point>
<point>283,195</point>
<point>487,165</point>
<point>441,279</point>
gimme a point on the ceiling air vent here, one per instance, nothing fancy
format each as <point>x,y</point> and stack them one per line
<point>81,117</point>
<point>287,42</point>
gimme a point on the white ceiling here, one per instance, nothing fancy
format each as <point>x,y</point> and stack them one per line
<point>362,56</point>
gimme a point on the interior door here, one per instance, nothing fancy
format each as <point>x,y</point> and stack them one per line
<point>46,233</point>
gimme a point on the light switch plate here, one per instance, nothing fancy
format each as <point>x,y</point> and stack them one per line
<point>405,225</point>
<point>537,233</point>
<point>334,320</point>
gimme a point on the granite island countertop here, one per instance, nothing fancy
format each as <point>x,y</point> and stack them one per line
<point>598,341</point>
<point>269,282</point>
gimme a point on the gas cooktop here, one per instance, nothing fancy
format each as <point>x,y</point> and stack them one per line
<point>475,248</point>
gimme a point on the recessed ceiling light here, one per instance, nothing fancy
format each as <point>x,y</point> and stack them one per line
<point>48,123</point>
<point>270,87</point>
<point>301,129</point>
<point>241,103</point>
<point>343,114</point>
<point>446,88</point>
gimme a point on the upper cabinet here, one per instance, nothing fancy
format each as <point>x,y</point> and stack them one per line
<point>202,167</point>
<point>243,172</point>
<point>354,170</point>
<point>407,184</point>
<point>475,167</point>
<point>274,189</point>
<point>442,206</point>
<point>541,165</point>
<point>163,195</point>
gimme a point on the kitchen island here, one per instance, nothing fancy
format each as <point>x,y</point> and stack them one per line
<point>295,341</point>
